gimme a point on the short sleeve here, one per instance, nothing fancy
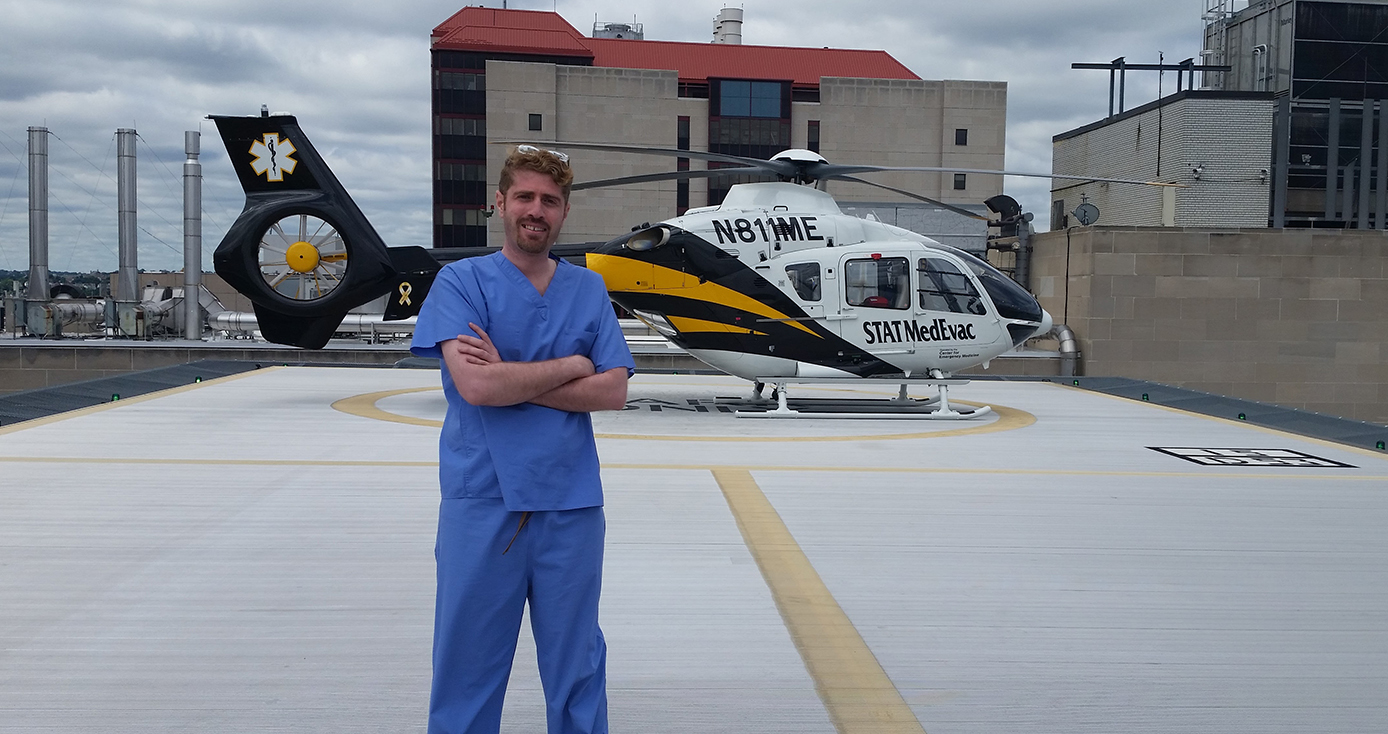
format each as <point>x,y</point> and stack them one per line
<point>446,312</point>
<point>610,347</point>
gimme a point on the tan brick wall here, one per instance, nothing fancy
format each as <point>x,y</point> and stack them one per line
<point>1293,317</point>
<point>870,121</point>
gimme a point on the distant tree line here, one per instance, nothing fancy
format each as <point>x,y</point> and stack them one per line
<point>89,284</point>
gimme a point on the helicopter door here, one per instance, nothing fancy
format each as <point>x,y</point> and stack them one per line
<point>804,281</point>
<point>877,310</point>
<point>950,310</point>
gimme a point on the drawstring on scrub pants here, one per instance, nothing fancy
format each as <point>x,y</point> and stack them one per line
<point>525,518</point>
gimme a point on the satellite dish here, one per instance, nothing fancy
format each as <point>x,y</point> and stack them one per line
<point>1086,214</point>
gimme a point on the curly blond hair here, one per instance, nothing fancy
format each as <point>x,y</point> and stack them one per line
<point>540,161</point>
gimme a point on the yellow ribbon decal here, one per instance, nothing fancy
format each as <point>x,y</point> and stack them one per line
<point>405,291</point>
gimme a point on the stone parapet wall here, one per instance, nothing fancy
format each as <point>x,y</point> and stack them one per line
<point>1298,318</point>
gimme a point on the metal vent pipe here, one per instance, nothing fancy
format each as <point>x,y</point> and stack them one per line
<point>128,276</point>
<point>192,235</point>
<point>38,214</point>
<point>727,27</point>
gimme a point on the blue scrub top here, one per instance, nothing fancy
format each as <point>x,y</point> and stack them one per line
<point>535,458</point>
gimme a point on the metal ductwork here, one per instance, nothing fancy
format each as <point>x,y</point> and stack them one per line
<point>192,234</point>
<point>128,275</point>
<point>1069,350</point>
<point>38,215</point>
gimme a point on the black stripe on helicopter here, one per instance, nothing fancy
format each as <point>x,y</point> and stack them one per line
<point>792,334</point>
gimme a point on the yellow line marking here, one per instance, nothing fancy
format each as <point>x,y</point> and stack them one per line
<point>207,462</point>
<point>1009,419</point>
<point>349,463</point>
<point>35,423</point>
<point>1232,422</point>
<point>856,691</point>
<point>364,406</point>
<point>1327,476</point>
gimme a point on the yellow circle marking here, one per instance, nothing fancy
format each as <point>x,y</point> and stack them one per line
<point>302,257</point>
<point>1009,419</point>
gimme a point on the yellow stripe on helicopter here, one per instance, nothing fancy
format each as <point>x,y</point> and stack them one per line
<point>692,326</point>
<point>625,275</point>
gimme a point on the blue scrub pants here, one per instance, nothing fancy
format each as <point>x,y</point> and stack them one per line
<point>556,564</point>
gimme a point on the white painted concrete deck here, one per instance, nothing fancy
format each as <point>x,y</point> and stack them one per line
<point>241,556</point>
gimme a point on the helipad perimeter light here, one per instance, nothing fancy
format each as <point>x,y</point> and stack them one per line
<point>1243,417</point>
<point>115,396</point>
<point>1382,447</point>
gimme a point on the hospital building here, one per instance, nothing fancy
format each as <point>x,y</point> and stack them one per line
<point>502,76</point>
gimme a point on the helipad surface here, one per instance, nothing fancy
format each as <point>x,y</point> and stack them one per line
<point>242,555</point>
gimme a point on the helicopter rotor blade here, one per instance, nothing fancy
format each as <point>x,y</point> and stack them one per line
<point>831,170</point>
<point>778,167</point>
<point>672,176</point>
<point>918,197</point>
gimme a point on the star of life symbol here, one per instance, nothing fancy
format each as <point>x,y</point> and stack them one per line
<point>273,157</point>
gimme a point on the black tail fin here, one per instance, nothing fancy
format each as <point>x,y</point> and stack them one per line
<point>301,248</point>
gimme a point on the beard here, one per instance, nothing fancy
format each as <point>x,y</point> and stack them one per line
<point>535,243</point>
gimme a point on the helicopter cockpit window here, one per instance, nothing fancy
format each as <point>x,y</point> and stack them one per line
<point>804,277</point>
<point>878,283</point>
<point>945,288</point>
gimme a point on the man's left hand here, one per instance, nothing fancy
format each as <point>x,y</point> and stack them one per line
<point>478,349</point>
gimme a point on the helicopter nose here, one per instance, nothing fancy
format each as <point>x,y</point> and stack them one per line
<point>1046,323</point>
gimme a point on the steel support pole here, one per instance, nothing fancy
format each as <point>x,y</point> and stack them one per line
<point>1381,210</point>
<point>1332,159</point>
<point>38,215</point>
<point>192,235</point>
<point>1281,160</point>
<point>128,274</point>
<point>1347,205</point>
<point>1366,157</point>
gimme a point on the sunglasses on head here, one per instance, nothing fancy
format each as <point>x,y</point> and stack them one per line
<point>529,149</point>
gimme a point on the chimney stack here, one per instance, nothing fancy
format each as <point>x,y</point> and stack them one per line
<point>727,27</point>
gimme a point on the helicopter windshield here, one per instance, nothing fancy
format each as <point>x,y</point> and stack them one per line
<point>1013,301</point>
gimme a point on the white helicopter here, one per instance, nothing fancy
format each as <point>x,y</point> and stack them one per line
<point>775,285</point>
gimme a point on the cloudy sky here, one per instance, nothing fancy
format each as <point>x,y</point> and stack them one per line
<point>357,75</point>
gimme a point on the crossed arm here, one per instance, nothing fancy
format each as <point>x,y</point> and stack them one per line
<point>567,383</point>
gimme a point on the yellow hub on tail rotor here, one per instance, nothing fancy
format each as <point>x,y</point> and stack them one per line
<point>302,257</point>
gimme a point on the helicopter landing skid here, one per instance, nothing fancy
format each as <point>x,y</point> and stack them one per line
<point>900,407</point>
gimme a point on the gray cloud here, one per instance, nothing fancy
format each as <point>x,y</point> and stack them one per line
<point>357,75</point>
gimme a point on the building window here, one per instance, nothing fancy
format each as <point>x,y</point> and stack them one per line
<point>961,181</point>
<point>682,164</point>
<point>535,121</point>
<point>812,136</point>
<point>460,80</point>
<point>746,118</point>
<point>737,98</point>
<point>961,136</point>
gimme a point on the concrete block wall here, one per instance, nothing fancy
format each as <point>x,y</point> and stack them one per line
<point>1228,138</point>
<point>1298,318</point>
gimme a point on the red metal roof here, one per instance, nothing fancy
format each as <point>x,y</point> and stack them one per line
<point>702,61</point>
<point>546,33</point>
<point>510,31</point>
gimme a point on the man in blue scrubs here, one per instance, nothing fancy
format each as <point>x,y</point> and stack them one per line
<point>529,345</point>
